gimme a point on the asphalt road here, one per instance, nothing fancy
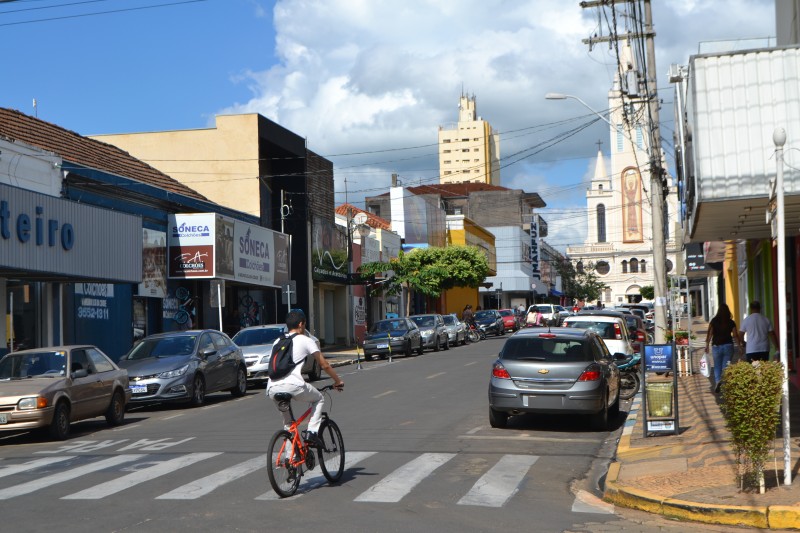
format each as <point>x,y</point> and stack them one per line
<point>421,453</point>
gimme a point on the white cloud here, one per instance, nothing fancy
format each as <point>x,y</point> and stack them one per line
<point>357,76</point>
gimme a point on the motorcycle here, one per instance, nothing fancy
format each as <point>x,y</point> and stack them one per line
<point>475,333</point>
<point>629,381</point>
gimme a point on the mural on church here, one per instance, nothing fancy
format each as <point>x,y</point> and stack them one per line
<point>631,188</point>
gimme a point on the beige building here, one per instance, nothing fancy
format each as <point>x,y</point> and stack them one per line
<point>470,150</point>
<point>619,241</point>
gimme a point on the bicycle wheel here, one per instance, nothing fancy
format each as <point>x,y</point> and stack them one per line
<point>331,457</point>
<point>283,477</point>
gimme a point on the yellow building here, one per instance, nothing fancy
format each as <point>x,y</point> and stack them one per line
<point>470,150</point>
<point>463,231</point>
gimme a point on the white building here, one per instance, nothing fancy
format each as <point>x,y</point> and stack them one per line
<point>470,150</point>
<point>619,242</point>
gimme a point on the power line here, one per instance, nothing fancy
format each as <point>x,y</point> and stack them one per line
<point>122,10</point>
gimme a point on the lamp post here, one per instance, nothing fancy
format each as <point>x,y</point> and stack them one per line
<point>779,138</point>
<point>657,212</point>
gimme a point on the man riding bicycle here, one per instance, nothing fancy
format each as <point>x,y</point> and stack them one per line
<point>302,347</point>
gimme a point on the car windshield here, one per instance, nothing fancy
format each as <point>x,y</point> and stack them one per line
<point>388,325</point>
<point>44,363</point>
<point>484,314</point>
<point>604,329</point>
<point>423,321</point>
<point>163,347</point>
<point>449,320</point>
<point>546,349</point>
<point>254,337</point>
<point>506,312</point>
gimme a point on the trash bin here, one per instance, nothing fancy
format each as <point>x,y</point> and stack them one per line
<point>659,399</point>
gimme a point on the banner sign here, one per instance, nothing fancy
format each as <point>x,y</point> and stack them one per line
<point>535,244</point>
<point>658,357</point>
<point>154,264</point>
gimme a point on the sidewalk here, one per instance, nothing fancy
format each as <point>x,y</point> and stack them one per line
<point>692,476</point>
<point>341,355</point>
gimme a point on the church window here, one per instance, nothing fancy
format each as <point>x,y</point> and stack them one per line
<point>624,267</point>
<point>639,137</point>
<point>579,267</point>
<point>619,138</point>
<point>602,268</point>
<point>642,266</point>
<point>634,266</point>
<point>601,223</point>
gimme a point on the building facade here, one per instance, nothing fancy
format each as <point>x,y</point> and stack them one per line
<point>470,150</point>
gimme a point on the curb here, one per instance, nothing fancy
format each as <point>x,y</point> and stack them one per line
<point>762,517</point>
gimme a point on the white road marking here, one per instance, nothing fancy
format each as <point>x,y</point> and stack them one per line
<point>140,476</point>
<point>173,416</point>
<point>205,485</point>
<point>24,467</point>
<point>524,437</point>
<point>474,430</point>
<point>400,482</point>
<point>350,459</point>
<point>436,375</point>
<point>586,502</point>
<point>36,484</point>
<point>472,363</point>
<point>500,483</point>
<point>381,395</point>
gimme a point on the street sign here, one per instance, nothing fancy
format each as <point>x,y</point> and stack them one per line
<point>289,293</point>
<point>217,293</point>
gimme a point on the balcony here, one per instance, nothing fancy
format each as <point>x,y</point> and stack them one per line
<point>587,249</point>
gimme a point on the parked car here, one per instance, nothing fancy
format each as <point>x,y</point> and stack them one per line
<point>52,387</point>
<point>510,322</point>
<point>256,344</point>
<point>637,328</point>
<point>490,321</point>
<point>398,336</point>
<point>184,366</point>
<point>434,333</point>
<point>456,330</point>
<point>552,315</point>
<point>609,325</point>
<point>562,370</point>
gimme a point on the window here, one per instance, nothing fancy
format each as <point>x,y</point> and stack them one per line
<point>447,151</point>
<point>619,138</point>
<point>634,266</point>
<point>447,162</point>
<point>448,172</point>
<point>445,140</point>
<point>465,140</point>
<point>474,149</point>
<point>624,267</point>
<point>601,223</point>
<point>642,266</point>
<point>669,265</point>
<point>101,362</point>
<point>579,267</point>
<point>639,137</point>
<point>465,149</point>
<point>600,187</point>
<point>602,268</point>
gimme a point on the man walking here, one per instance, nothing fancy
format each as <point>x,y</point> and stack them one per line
<point>757,332</point>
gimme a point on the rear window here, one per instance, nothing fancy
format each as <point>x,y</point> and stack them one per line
<point>506,312</point>
<point>604,329</point>
<point>547,349</point>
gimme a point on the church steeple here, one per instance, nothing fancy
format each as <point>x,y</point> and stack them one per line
<point>601,179</point>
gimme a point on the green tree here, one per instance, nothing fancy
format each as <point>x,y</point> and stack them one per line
<point>431,270</point>
<point>648,292</point>
<point>583,285</point>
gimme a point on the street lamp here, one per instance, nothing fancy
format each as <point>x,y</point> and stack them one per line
<point>657,211</point>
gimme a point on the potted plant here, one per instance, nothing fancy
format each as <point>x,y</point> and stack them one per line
<point>680,337</point>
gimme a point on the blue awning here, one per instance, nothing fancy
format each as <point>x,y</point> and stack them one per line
<point>554,292</point>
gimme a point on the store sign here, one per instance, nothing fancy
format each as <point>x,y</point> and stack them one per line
<point>191,245</point>
<point>93,300</point>
<point>359,311</point>
<point>329,252</point>
<point>154,264</point>
<point>254,254</point>
<point>658,357</point>
<point>534,258</point>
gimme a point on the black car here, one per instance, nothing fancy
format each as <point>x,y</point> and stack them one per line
<point>393,336</point>
<point>490,321</point>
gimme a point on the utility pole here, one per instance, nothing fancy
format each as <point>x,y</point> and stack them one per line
<point>656,169</point>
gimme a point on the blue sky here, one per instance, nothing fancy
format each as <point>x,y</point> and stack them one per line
<point>374,78</point>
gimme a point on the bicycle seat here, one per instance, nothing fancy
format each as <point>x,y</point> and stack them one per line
<point>282,396</point>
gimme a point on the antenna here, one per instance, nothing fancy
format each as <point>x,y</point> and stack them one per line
<point>35,110</point>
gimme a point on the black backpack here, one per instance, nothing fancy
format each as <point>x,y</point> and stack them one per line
<point>281,363</point>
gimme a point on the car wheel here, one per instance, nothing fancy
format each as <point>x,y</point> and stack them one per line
<point>437,345</point>
<point>613,411</point>
<point>115,413</point>
<point>464,340</point>
<point>446,342</point>
<point>240,389</point>
<point>316,372</point>
<point>198,391</point>
<point>59,427</point>
<point>421,349</point>
<point>498,419</point>
<point>600,420</point>
<point>409,352</point>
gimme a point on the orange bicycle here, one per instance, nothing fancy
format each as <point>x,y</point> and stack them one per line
<point>289,454</point>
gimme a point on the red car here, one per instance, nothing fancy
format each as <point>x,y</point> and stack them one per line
<point>509,319</point>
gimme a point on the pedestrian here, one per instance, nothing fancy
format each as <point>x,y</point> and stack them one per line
<point>721,334</point>
<point>756,333</point>
<point>467,315</point>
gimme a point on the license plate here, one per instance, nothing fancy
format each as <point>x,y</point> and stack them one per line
<point>139,389</point>
<point>383,346</point>
<point>3,419</point>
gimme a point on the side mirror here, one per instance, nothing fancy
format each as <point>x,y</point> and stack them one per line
<point>620,357</point>
<point>208,351</point>
<point>82,373</point>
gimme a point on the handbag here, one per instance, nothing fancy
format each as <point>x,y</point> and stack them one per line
<point>704,366</point>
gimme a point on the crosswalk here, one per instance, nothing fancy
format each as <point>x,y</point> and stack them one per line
<point>493,486</point>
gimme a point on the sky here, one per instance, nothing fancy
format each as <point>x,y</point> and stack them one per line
<point>368,83</point>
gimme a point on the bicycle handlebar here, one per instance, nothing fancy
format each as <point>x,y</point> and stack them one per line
<point>328,387</point>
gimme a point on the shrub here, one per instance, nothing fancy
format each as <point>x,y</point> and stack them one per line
<point>750,404</point>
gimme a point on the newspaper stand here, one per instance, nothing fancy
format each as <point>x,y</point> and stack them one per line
<point>660,397</point>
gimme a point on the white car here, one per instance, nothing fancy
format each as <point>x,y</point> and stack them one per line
<point>612,329</point>
<point>256,344</point>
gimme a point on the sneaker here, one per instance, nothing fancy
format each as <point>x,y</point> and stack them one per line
<point>312,439</point>
<point>717,388</point>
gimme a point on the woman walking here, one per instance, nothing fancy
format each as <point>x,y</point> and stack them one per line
<point>721,333</point>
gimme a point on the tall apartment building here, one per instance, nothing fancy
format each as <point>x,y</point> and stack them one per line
<point>470,150</point>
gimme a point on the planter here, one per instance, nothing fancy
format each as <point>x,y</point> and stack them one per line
<point>682,342</point>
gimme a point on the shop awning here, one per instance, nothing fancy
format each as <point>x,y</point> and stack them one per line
<point>554,292</point>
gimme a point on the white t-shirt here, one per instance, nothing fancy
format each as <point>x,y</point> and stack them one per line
<point>756,328</point>
<point>302,347</point>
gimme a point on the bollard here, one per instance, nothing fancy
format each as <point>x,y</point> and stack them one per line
<point>358,357</point>
<point>390,347</point>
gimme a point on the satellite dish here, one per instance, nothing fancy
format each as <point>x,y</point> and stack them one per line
<point>360,218</point>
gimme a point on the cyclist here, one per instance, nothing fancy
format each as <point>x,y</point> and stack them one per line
<point>467,316</point>
<point>294,384</point>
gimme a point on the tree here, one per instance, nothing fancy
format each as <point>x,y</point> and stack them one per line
<point>431,270</point>
<point>584,285</point>
<point>647,292</point>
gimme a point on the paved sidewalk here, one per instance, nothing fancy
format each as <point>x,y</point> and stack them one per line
<point>692,476</point>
